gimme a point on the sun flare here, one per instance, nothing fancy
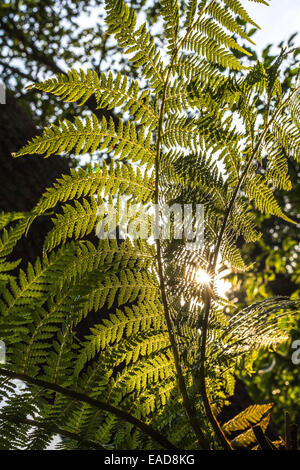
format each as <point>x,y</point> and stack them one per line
<point>222,286</point>
<point>202,277</point>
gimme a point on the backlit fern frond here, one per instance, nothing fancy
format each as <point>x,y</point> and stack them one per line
<point>126,286</point>
<point>75,221</point>
<point>263,197</point>
<point>258,326</point>
<point>237,8</point>
<point>251,415</point>
<point>170,13</point>
<point>114,178</point>
<point>110,92</point>
<point>10,237</point>
<point>122,23</point>
<point>226,19</point>
<point>248,437</point>
<point>287,134</point>
<point>123,324</point>
<point>123,338</point>
<point>211,50</point>
<point>91,136</point>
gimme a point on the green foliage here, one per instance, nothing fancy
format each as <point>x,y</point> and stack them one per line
<point>246,438</point>
<point>58,33</point>
<point>90,136</point>
<point>109,92</point>
<point>246,418</point>
<point>131,347</point>
<point>275,269</point>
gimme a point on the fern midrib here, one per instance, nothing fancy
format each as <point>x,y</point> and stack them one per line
<point>187,404</point>
<point>61,136</point>
<point>60,354</point>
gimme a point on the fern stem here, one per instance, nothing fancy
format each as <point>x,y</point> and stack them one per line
<point>213,420</point>
<point>208,409</point>
<point>181,382</point>
<point>162,440</point>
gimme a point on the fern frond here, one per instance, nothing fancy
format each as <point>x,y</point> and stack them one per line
<point>170,13</point>
<point>277,167</point>
<point>91,136</point>
<point>8,217</point>
<point>122,324</point>
<point>121,21</point>
<point>214,32</point>
<point>251,415</point>
<point>257,326</point>
<point>237,8</point>
<point>33,286</point>
<point>210,49</point>
<point>263,197</point>
<point>190,12</point>
<point>248,437</point>
<point>109,92</point>
<point>10,237</point>
<point>223,16</point>
<point>75,221</point>
<point>115,178</point>
<point>107,255</point>
<point>99,289</point>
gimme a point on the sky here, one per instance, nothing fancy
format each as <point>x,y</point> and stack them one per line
<point>278,21</point>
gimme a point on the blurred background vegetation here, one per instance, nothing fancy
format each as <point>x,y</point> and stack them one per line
<point>40,38</point>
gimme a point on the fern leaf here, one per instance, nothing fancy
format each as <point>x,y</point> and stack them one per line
<point>251,415</point>
<point>263,197</point>
<point>109,92</point>
<point>170,13</point>
<point>91,136</point>
<point>122,21</point>
<point>248,437</point>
